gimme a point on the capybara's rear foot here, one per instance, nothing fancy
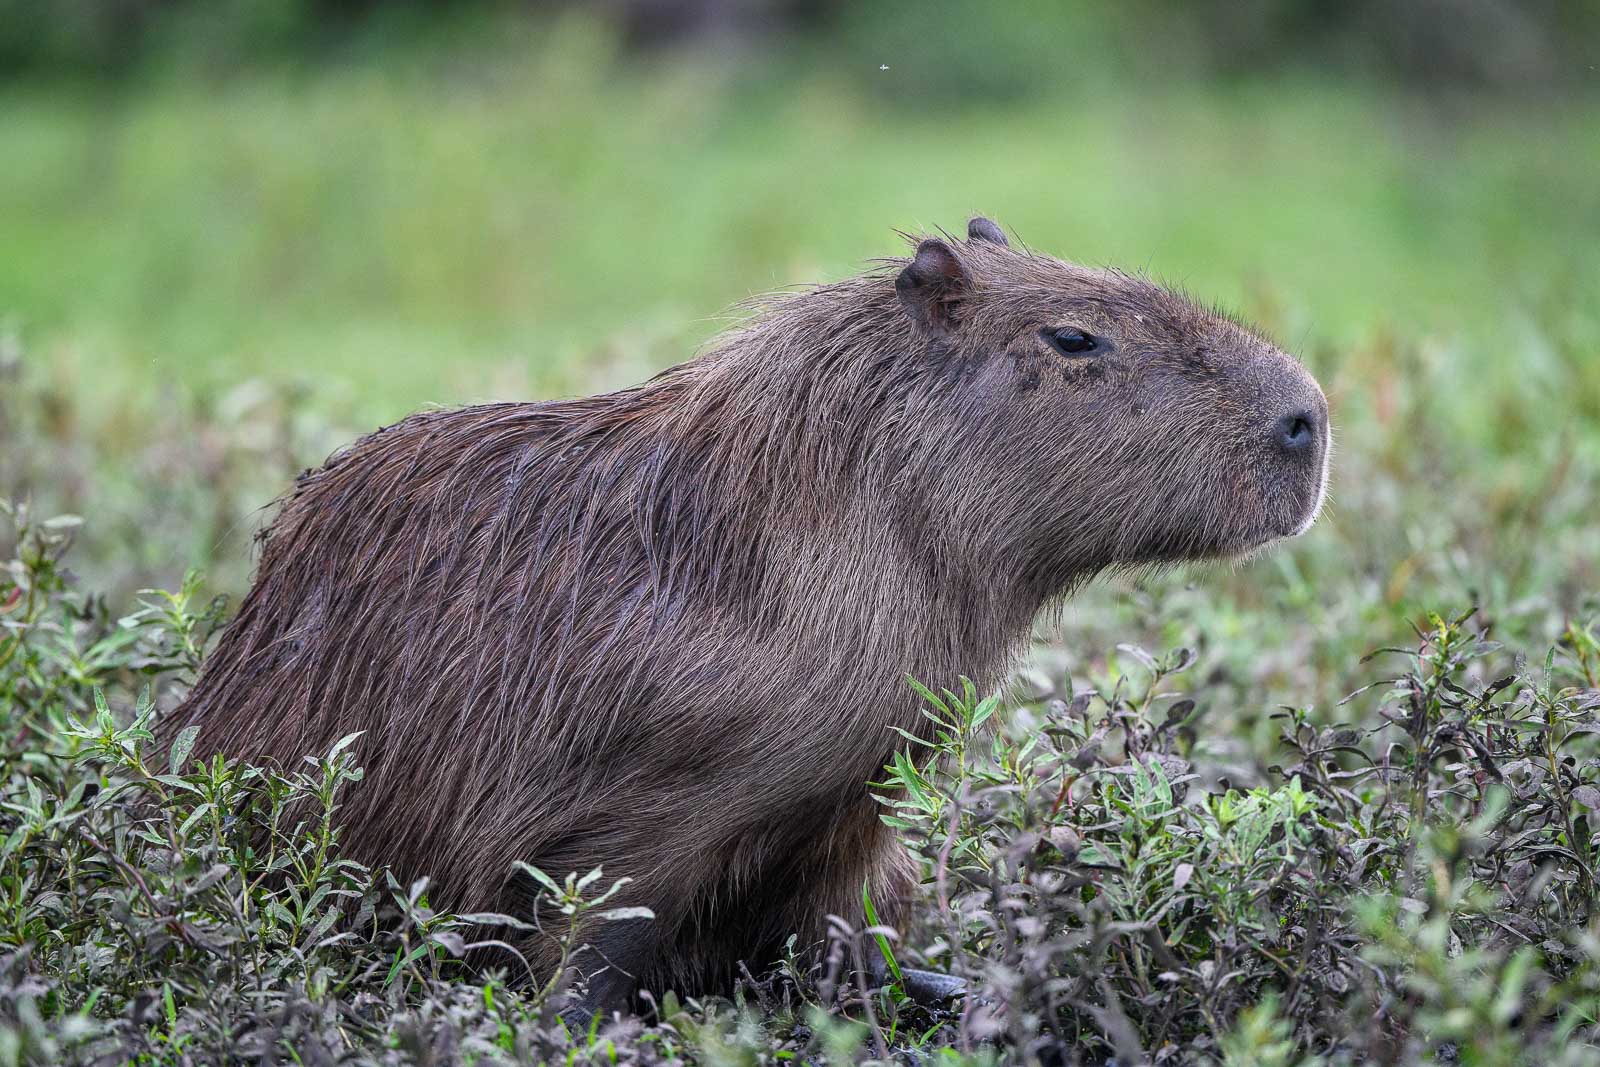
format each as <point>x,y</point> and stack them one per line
<point>930,988</point>
<point>579,1015</point>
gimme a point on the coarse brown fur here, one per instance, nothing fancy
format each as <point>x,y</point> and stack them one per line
<point>666,630</point>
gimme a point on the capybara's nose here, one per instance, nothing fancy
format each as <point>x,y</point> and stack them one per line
<point>1298,431</point>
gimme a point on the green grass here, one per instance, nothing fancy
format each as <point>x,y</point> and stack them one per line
<point>545,216</point>
<point>216,282</point>
<point>1413,884</point>
<point>276,261</point>
<point>552,218</point>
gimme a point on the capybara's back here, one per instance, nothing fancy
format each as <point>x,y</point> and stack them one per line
<point>666,631</point>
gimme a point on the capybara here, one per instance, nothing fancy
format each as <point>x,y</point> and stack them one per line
<point>666,631</point>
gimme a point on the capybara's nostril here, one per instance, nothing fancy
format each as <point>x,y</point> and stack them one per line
<point>1297,431</point>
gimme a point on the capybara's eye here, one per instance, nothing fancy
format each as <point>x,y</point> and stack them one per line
<point>1070,342</point>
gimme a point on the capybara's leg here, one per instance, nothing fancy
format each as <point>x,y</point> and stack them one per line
<point>896,880</point>
<point>889,874</point>
<point>618,953</point>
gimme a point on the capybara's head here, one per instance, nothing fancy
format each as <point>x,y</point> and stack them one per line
<point>1139,427</point>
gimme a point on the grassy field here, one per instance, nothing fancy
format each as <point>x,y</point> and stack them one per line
<point>404,233</point>
<point>301,255</point>
<point>210,284</point>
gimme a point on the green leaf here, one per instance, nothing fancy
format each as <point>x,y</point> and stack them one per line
<point>404,961</point>
<point>538,876</point>
<point>883,940</point>
<point>343,743</point>
<point>182,745</point>
<point>928,695</point>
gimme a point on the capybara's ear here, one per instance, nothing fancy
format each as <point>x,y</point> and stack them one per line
<point>932,284</point>
<point>982,229</point>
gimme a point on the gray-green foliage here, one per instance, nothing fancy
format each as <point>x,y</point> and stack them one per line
<point>1415,884</point>
<point>386,237</point>
<point>1418,885</point>
<point>184,911</point>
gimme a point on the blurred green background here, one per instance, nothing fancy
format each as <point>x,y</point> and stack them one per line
<point>421,204</point>
<point>233,235</point>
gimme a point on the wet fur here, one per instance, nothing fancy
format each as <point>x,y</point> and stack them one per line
<point>666,630</point>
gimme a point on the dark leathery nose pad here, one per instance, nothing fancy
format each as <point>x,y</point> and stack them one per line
<point>1296,431</point>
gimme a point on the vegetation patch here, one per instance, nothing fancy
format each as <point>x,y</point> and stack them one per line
<point>1415,884</point>
<point>1262,843</point>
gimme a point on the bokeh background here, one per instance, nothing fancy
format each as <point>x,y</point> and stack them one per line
<point>235,234</point>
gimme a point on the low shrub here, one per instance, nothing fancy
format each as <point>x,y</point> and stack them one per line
<point>1414,885</point>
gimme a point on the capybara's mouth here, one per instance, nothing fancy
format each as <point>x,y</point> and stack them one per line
<point>1320,497</point>
<point>1301,443</point>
